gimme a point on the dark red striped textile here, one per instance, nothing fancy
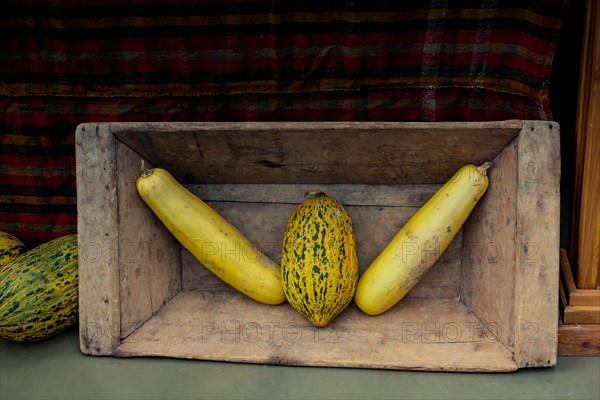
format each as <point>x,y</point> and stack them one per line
<point>63,62</point>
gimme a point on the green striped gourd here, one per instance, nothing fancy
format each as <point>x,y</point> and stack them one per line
<point>10,248</point>
<point>319,264</point>
<point>38,291</point>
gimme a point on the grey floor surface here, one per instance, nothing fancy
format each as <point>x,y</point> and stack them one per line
<point>55,369</point>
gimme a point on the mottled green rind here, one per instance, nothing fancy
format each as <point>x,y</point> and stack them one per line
<point>10,248</point>
<point>319,264</point>
<point>38,291</point>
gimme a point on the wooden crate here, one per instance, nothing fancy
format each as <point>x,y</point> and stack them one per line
<point>489,304</point>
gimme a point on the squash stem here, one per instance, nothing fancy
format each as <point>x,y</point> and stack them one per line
<point>145,171</point>
<point>313,193</point>
<point>484,167</point>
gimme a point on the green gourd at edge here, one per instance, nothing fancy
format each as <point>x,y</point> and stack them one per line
<point>38,291</point>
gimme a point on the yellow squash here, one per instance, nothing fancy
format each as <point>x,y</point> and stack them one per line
<point>421,241</point>
<point>319,264</point>
<point>218,245</point>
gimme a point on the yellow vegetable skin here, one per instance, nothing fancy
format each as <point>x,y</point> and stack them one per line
<point>421,241</point>
<point>10,248</point>
<point>319,264</point>
<point>218,245</point>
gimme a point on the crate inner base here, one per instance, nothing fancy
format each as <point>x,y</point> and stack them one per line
<point>431,329</point>
<point>418,333</point>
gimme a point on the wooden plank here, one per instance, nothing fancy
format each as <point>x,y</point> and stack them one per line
<point>417,334</point>
<point>580,130</point>
<point>149,256</point>
<point>489,253</point>
<point>587,182</point>
<point>588,261</point>
<point>581,315</point>
<point>567,272</point>
<point>413,195</point>
<point>97,230</point>
<point>316,152</point>
<point>537,242</point>
<point>579,340</point>
<point>585,297</point>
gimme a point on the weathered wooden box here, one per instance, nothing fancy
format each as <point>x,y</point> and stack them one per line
<point>489,304</point>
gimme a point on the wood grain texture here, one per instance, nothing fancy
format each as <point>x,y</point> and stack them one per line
<point>417,335</point>
<point>489,253</point>
<point>149,256</point>
<point>316,152</point>
<point>581,315</point>
<point>537,243</point>
<point>588,261</point>
<point>587,273</point>
<point>413,195</point>
<point>585,297</point>
<point>579,340</point>
<point>97,230</point>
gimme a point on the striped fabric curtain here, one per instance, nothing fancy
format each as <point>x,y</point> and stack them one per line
<point>63,62</point>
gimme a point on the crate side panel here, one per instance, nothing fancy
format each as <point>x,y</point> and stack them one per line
<point>418,334</point>
<point>97,230</point>
<point>538,246</point>
<point>316,152</point>
<point>488,257</point>
<point>149,257</point>
<point>349,195</point>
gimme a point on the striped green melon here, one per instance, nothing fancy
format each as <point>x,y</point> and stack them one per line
<point>319,264</point>
<point>38,291</point>
<point>10,248</point>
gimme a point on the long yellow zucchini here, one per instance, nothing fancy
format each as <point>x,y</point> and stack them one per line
<point>218,245</point>
<point>420,242</point>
